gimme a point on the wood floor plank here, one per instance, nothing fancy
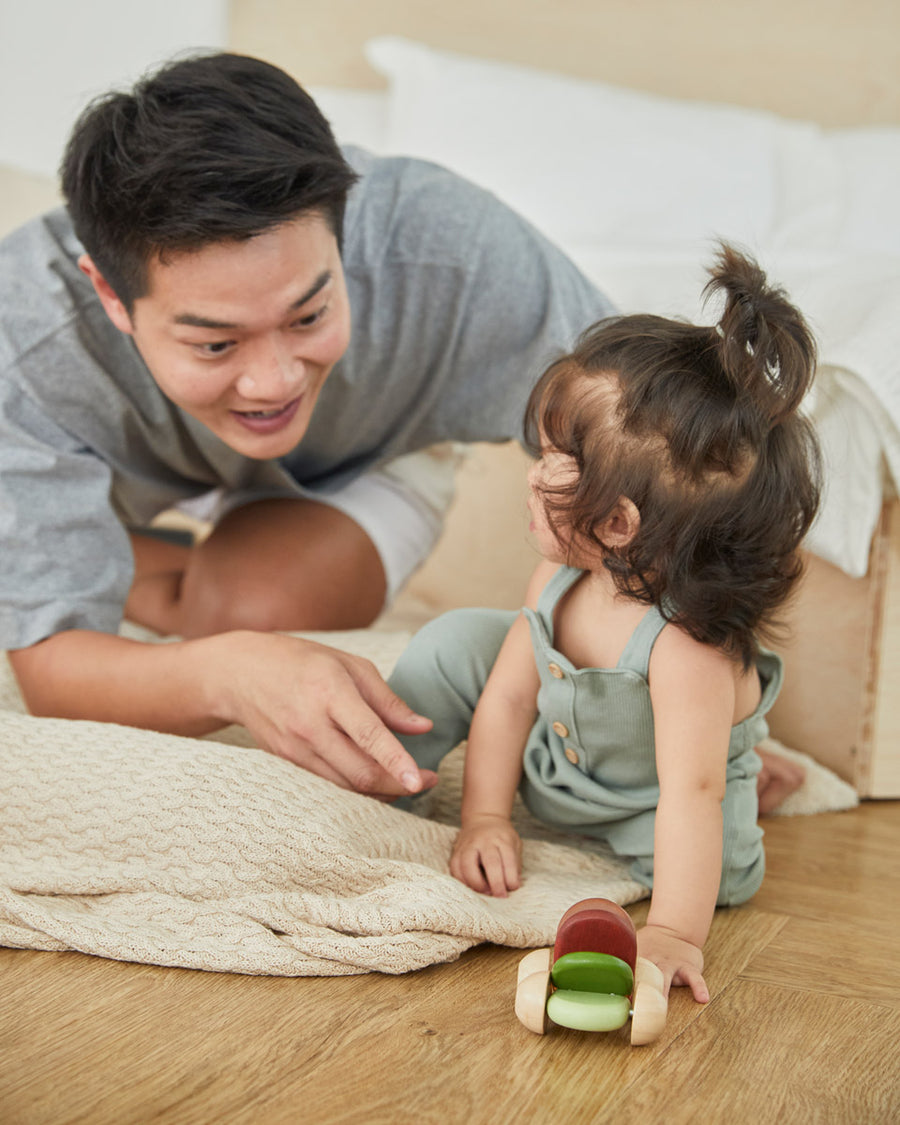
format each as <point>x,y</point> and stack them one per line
<point>236,1048</point>
<point>768,1056</point>
<point>842,958</point>
<point>85,1041</point>
<point>828,866</point>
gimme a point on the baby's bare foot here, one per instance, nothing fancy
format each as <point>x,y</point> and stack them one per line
<point>778,778</point>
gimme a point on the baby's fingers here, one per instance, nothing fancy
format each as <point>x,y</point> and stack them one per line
<point>501,870</point>
<point>465,865</point>
<point>691,978</point>
<point>490,870</point>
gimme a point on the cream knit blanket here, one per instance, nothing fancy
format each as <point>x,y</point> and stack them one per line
<point>212,854</point>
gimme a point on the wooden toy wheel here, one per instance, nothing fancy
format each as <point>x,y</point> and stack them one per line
<point>649,1008</point>
<point>537,961</point>
<point>531,1000</point>
<point>652,974</point>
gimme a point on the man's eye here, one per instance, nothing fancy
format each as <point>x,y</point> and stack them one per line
<point>311,319</point>
<point>218,348</point>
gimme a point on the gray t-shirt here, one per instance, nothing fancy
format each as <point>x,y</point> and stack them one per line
<point>457,306</point>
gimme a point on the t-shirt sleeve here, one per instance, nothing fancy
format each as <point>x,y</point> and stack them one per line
<point>67,561</point>
<point>527,303</point>
<point>459,306</point>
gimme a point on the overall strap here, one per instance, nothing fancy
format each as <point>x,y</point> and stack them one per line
<point>636,654</point>
<point>560,582</point>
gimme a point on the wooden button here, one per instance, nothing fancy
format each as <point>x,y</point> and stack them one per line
<point>572,755</point>
<point>561,729</point>
<point>556,671</point>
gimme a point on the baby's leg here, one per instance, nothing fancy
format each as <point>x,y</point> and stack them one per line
<point>743,858</point>
<point>778,778</point>
<point>442,673</point>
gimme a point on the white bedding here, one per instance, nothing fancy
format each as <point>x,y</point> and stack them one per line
<point>636,188</point>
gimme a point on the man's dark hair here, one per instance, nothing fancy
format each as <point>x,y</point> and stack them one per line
<point>210,148</point>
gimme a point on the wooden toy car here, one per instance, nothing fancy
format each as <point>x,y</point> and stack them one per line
<point>592,979</point>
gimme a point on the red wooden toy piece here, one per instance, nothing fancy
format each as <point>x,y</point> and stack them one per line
<point>599,925</point>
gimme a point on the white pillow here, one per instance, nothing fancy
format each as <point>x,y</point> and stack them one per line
<point>358,117</point>
<point>869,162</point>
<point>582,160</point>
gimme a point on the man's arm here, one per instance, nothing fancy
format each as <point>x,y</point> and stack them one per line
<point>325,710</point>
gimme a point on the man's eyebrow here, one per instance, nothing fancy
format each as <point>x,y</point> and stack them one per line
<point>193,321</point>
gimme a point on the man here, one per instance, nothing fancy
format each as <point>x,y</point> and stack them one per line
<point>231,303</point>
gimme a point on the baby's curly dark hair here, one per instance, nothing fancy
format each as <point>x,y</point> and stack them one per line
<point>700,428</point>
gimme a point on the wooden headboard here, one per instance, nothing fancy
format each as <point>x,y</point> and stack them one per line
<point>835,62</point>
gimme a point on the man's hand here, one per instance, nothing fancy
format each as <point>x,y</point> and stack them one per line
<point>323,709</point>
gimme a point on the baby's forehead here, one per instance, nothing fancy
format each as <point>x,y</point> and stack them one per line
<point>574,396</point>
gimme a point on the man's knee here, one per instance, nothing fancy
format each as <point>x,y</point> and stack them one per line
<point>283,565</point>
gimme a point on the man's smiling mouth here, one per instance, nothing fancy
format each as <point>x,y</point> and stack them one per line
<point>269,421</point>
<point>265,413</point>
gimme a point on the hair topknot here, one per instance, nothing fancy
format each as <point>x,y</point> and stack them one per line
<point>699,426</point>
<point>766,347</point>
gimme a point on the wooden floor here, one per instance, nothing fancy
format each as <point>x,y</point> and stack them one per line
<point>803,1026</point>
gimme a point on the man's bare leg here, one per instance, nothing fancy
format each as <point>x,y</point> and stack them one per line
<point>285,564</point>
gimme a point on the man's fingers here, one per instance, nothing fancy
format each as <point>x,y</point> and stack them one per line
<point>393,711</point>
<point>328,753</point>
<point>366,730</point>
<point>323,709</point>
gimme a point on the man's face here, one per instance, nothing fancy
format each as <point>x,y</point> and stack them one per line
<point>242,335</point>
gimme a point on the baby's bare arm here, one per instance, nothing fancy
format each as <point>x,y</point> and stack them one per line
<point>487,853</point>
<point>692,688</point>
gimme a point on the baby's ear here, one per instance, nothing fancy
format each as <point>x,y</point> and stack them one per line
<point>620,526</point>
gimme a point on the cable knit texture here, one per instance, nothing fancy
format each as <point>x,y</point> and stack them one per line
<point>211,854</point>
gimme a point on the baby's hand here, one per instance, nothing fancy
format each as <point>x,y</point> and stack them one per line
<point>680,961</point>
<point>487,856</point>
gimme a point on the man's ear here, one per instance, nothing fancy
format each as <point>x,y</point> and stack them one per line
<point>620,526</point>
<point>113,307</point>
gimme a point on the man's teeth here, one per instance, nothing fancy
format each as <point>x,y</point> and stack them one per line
<point>264,413</point>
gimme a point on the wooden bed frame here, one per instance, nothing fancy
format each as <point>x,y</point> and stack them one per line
<point>842,636</point>
<point>838,66</point>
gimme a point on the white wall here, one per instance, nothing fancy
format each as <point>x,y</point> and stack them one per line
<point>57,54</point>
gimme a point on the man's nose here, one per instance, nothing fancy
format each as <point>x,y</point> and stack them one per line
<point>273,372</point>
